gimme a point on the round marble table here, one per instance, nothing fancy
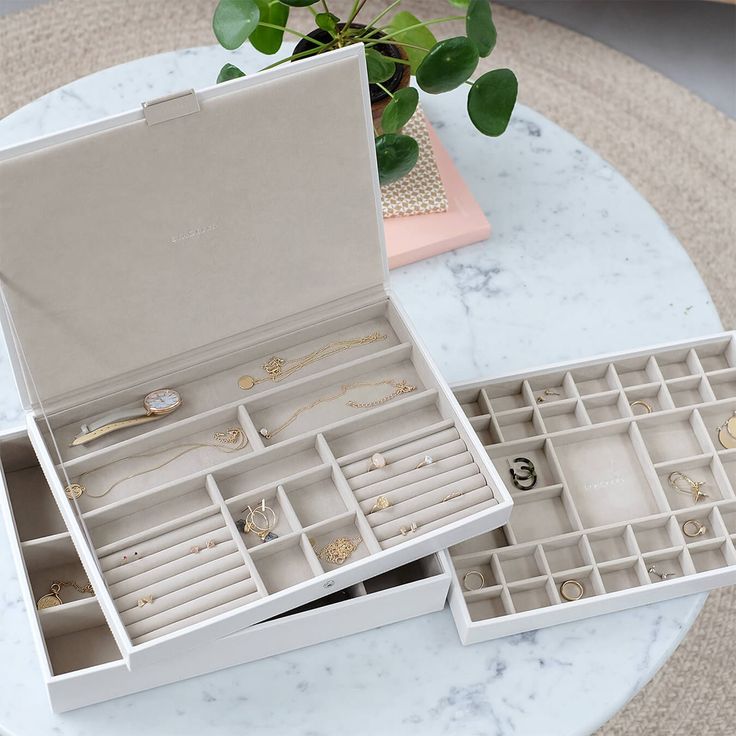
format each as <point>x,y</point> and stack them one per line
<point>578,264</point>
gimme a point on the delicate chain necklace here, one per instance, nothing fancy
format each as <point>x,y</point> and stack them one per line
<point>277,369</point>
<point>338,550</point>
<point>52,598</point>
<point>231,440</point>
<point>400,387</point>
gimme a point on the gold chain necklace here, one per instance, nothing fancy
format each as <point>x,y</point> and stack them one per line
<point>277,369</point>
<point>400,387</point>
<point>338,550</point>
<point>231,440</point>
<point>52,598</point>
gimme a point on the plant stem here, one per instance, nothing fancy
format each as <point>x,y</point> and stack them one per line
<point>387,91</point>
<point>383,13</point>
<point>292,31</point>
<point>324,5</point>
<point>379,41</point>
<point>293,57</point>
<point>426,23</point>
<point>357,7</point>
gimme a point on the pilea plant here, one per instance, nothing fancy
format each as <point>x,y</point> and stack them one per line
<point>397,46</point>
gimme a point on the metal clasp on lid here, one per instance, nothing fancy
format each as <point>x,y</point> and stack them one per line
<point>170,107</point>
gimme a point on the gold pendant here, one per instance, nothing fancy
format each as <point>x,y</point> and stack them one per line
<point>51,598</point>
<point>246,382</point>
<point>74,490</point>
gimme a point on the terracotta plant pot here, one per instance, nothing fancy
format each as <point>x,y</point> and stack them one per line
<point>379,98</point>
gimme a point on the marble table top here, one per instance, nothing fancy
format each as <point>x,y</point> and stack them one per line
<point>578,264</point>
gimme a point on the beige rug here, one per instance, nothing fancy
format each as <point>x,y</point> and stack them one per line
<point>676,149</point>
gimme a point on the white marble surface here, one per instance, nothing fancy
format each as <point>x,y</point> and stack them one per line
<point>578,264</point>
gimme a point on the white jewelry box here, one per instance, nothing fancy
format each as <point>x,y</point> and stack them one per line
<point>184,245</point>
<point>79,659</point>
<point>615,506</point>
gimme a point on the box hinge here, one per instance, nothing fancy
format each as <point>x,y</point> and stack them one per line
<point>170,107</point>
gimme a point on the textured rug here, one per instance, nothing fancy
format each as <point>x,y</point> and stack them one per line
<point>677,150</point>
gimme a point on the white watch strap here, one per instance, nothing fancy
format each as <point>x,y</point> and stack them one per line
<point>114,416</point>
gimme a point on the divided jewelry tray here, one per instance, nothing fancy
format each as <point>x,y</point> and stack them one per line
<point>180,278</point>
<point>603,514</point>
<point>80,661</point>
<point>150,533</point>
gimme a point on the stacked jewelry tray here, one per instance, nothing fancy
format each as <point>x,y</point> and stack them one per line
<point>624,487</point>
<point>252,422</point>
<point>80,661</point>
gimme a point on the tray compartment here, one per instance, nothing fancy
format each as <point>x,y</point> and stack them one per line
<point>545,513</point>
<point>657,533</point>
<point>522,563</point>
<point>503,397</point>
<point>562,415</point>
<point>678,363</point>
<point>675,436</point>
<point>675,563</point>
<point>655,395</point>
<point>623,574</point>
<point>690,391</point>
<point>595,379</point>
<point>705,469</point>
<point>570,552</point>
<point>712,554</point>
<point>606,407</point>
<point>587,576</point>
<point>717,355</point>
<point>640,371</point>
<point>519,424</point>
<point>286,562</point>
<point>530,595</point>
<point>538,451</point>
<point>613,543</point>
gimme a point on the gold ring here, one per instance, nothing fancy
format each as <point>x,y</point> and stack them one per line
<point>426,460</point>
<point>451,496</point>
<point>576,585</point>
<point>693,528</point>
<point>378,461</point>
<point>474,574</point>
<point>640,402</point>
<point>381,503</point>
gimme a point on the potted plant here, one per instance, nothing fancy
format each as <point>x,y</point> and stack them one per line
<point>396,48</point>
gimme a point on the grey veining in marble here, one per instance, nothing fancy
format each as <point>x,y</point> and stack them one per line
<point>578,264</point>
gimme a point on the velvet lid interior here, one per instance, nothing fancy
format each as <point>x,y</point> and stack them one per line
<point>125,245</point>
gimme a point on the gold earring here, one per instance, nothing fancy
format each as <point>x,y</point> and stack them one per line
<point>409,529</point>
<point>677,477</point>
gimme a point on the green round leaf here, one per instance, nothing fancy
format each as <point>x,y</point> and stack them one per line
<point>420,37</point>
<point>327,22</point>
<point>491,101</point>
<point>447,65</point>
<point>479,26</point>
<point>228,72</point>
<point>399,110</point>
<point>299,3</point>
<point>234,21</point>
<point>380,67</point>
<point>269,40</point>
<point>397,155</point>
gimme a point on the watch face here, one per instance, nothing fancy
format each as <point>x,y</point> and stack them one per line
<point>162,401</point>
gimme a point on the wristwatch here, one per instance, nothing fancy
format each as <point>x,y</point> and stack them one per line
<point>157,404</point>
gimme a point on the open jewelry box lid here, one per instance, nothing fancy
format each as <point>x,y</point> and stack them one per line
<point>143,240</point>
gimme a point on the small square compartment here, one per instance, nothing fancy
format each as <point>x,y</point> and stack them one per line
<point>563,415</point>
<point>714,417</point>
<point>55,559</point>
<point>700,471</point>
<point>594,379</point>
<point>541,514</point>
<point>711,555</point>
<point>272,497</point>
<point>723,384</point>
<point>566,554</point>
<point>472,402</point>
<point>476,563</point>
<point>586,577</point>
<point>520,563</point>
<point>537,452</point>
<point>34,508</point>
<point>518,424</point>
<point>282,563</point>
<point>324,534</point>
<point>315,497</point>
<point>552,387</point>
<point>666,562</point>
<point>709,518</point>
<point>612,544</point>
<point>718,355</point>
<point>637,371</point>
<point>672,439</point>
<point>606,407</point>
<point>506,396</point>
<point>531,595</point>
<point>729,466</point>
<point>688,391</point>
<point>728,514</point>
<point>678,363</point>
<point>620,575</point>
<point>488,604</point>
<point>654,395</point>
<point>657,534</point>
<point>495,539</point>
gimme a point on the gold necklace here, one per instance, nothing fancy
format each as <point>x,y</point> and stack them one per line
<point>338,550</point>
<point>231,440</point>
<point>400,387</point>
<point>52,598</point>
<point>277,369</point>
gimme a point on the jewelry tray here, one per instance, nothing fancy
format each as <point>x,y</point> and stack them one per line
<point>602,511</point>
<point>80,661</point>
<point>252,274</point>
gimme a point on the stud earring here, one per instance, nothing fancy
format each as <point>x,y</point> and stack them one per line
<point>652,570</point>
<point>545,395</point>
<point>409,529</point>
